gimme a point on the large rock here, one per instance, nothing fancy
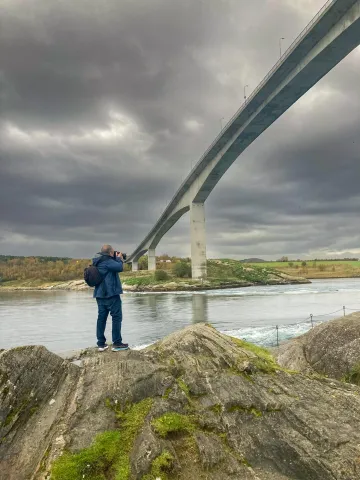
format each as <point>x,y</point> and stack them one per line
<point>36,389</point>
<point>197,405</point>
<point>331,348</point>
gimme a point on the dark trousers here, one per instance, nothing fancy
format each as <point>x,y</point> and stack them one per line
<point>106,305</point>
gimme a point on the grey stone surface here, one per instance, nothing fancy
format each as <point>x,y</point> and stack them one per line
<point>251,419</point>
<point>36,393</point>
<point>331,348</point>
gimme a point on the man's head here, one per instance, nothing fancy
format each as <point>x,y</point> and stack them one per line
<point>107,250</point>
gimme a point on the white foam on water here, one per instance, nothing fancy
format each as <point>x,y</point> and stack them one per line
<point>267,336</point>
<point>141,347</point>
<point>262,336</point>
<point>263,291</point>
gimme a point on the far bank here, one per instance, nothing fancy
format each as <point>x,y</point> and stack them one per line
<point>316,269</point>
<point>222,274</point>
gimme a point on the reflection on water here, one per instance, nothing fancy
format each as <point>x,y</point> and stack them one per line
<point>199,308</point>
<point>155,302</point>
<point>63,321</point>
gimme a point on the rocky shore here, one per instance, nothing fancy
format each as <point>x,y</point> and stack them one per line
<point>196,405</point>
<point>277,278</point>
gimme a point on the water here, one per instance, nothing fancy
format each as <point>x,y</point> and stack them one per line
<point>64,321</point>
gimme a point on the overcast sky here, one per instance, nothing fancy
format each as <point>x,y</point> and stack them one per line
<point>105,106</point>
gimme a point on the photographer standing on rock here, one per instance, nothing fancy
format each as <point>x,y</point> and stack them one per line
<point>107,294</point>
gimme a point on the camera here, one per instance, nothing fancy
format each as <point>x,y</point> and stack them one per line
<point>123,255</point>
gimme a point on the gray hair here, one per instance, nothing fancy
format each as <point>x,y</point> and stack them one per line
<point>106,249</point>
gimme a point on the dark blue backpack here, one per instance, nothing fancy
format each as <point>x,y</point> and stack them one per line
<point>92,276</point>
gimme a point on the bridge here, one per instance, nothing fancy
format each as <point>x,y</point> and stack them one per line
<point>330,36</point>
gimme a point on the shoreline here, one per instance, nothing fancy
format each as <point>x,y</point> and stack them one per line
<point>79,285</point>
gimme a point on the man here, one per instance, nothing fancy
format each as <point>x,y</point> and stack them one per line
<point>107,295</point>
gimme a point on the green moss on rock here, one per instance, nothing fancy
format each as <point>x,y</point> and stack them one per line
<point>263,361</point>
<point>110,451</point>
<point>173,422</point>
<point>240,408</point>
<point>161,466</point>
<point>167,393</point>
<point>353,376</point>
<point>217,408</point>
<point>91,462</point>
<point>15,413</point>
<point>184,387</point>
<point>258,351</point>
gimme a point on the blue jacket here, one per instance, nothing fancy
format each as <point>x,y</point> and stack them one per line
<point>109,268</point>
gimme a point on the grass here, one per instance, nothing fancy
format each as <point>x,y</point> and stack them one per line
<point>173,422</point>
<point>91,463</point>
<point>220,273</point>
<point>228,270</point>
<point>108,456</point>
<point>252,410</point>
<point>316,269</point>
<point>264,361</point>
<point>184,387</point>
<point>261,352</point>
<point>217,408</point>
<point>30,283</point>
<point>167,393</point>
<point>160,467</point>
<point>353,263</point>
<point>353,376</point>
<point>148,280</point>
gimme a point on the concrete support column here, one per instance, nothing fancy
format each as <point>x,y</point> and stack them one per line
<point>151,259</point>
<point>198,240</point>
<point>135,266</point>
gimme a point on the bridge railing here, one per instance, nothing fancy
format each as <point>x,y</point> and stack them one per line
<point>287,52</point>
<point>290,49</point>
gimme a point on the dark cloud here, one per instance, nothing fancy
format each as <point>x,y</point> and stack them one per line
<point>106,106</point>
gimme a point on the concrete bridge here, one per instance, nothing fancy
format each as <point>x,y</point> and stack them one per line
<point>330,36</point>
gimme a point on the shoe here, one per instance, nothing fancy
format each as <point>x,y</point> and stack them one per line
<point>119,348</point>
<point>102,349</point>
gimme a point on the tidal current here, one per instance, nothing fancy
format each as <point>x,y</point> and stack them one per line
<point>65,321</point>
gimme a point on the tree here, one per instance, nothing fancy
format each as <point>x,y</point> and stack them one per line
<point>303,264</point>
<point>182,270</point>
<point>164,256</point>
<point>161,275</point>
<point>143,263</point>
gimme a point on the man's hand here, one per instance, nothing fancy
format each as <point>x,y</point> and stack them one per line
<point>119,255</point>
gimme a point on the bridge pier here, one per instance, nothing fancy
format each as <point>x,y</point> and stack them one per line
<point>135,266</point>
<point>151,259</point>
<point>198,240</point>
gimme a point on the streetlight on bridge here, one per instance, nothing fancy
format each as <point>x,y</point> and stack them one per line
<point>281,38</point>
<point>245,92</point>
<point>221,124</point>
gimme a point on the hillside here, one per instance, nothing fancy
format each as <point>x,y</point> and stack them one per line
<point>224,273</point>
